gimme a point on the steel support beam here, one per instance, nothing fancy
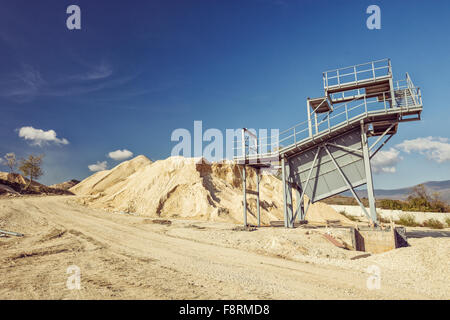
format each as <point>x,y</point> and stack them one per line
<point>244,187</point>
<point>391,85</point>
<point>289,204</point>
<point>287,193</point>
<point>283,178</point>
<point>307,182</point>
<point>244,177</point>
<point>306,209</point>
<point>300,206</point>
<point>289,198</point>
<point>368,170</point>
<point>381,137</point>
<point>316,122</point>
<point>309,118</point>
<point>381,146</point>
<point>351,150</point>
<point>257,197</point>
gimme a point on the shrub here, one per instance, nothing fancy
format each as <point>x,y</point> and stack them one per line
<point>381,219</point>
<point>418,200</point>
<point>348,216</point>
<point>433,223</point>
<point>131,208</point>
<point>447,221</point>
<point>391,204</point>
<point>407,220</point>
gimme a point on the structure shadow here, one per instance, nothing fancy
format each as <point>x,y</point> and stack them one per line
<point>427,233</point>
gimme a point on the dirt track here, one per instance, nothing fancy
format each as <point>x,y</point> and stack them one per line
<point>123,256</point>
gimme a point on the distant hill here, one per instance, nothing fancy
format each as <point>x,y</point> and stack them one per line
<point>443,187</point>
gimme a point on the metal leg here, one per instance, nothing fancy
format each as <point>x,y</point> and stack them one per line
<point>244,177</point>
<point>289,204</point>
<point>306,209</point>
<point>287,193</point>
<point>257,197</point>
<point>393,102</point>
<point>244,186</point>
<point>283,178</point>
<point>302,210</point>
<point>369,181</point>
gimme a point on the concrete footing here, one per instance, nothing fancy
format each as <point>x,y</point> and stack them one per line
<point>378,240</point>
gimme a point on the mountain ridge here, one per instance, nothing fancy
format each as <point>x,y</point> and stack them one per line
<point>442,187</point>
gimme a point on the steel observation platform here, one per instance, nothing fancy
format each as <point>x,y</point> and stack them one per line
<point>329,152</point>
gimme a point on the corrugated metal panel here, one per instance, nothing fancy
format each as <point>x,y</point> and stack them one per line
<point>325,179</point>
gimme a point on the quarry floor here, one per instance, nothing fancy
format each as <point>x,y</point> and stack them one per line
<point>130,257</point>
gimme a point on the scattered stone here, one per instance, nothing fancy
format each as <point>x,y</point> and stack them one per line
<point>241,228</point>
<point>162,221</point>
<point>360,256</point>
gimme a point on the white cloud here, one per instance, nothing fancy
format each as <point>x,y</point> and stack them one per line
<point>27,83</point>
<point>120,154</point>
<point>434,148</point>
<point>385,161</point>
<point>99,166</point>
<point>39,137</point>
<point>100,71</point>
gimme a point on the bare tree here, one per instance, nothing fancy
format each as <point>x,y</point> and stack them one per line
<point>11,161</point>
<point>31,167</point>
<point>420,192</point>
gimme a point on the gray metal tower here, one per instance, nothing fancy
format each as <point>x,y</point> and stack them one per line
<point>330,152</point>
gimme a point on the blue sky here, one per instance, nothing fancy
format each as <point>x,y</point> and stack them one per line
<point>138,70</point>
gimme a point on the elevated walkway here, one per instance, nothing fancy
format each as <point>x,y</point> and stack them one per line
<point>376,108</point>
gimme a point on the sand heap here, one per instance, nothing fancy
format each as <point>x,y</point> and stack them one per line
<point>188,188</point>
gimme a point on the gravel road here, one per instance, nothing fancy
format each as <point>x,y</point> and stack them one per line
<point>125,256</point>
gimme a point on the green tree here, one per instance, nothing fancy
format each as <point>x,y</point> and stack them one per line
<point>31,167</point>
<point>420,200</point>
<point>437,203</point>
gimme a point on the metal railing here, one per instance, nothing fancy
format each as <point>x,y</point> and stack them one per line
<point>406,96</point>
<point>357,73</point>
<point>408,84</point>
